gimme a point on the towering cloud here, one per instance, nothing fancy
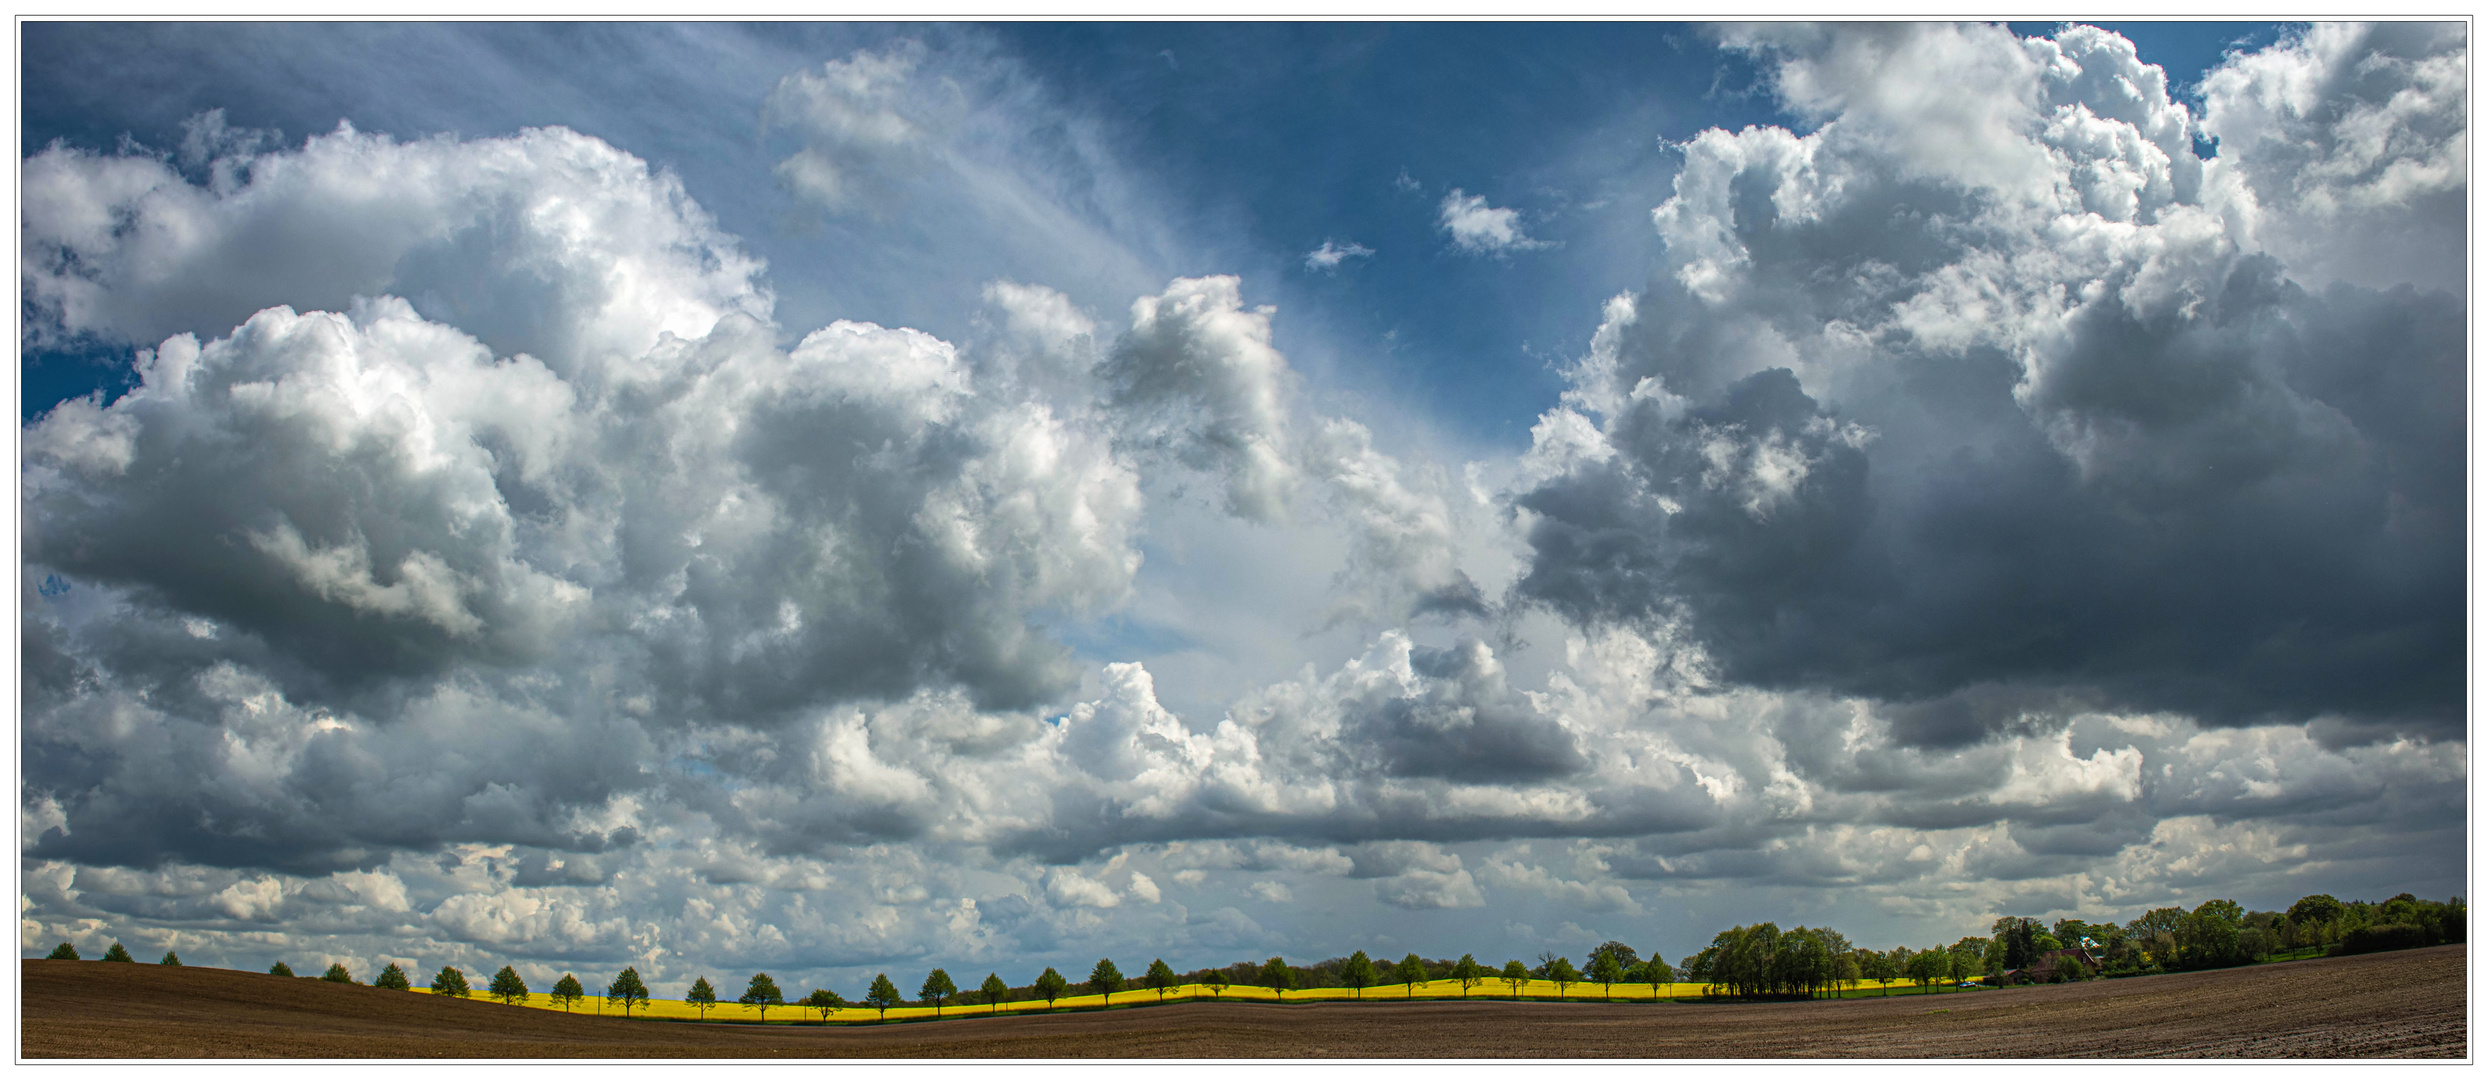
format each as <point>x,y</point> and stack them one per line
<point>1996,406</point>
<point>345,515</point>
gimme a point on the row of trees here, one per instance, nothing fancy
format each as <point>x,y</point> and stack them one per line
<point>1762,960</point>
<point>2220,933</point>
<point>1759,960</point>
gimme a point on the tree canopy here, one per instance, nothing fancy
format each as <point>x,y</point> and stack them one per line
<point>882,995</point>
<point>392,977</point>
<point>1515,973</point>
<point>937,988</point>
<point>1469,972</point>
<point>1050,985</point>
<point>1159,977</point>
<point>337,973</point>
<point>170,960</point>
<point>63,951</point>
<point>1759,960</point>
<point>451,982</point>
<point>702,996</point>
<point>568,992</point>
<point>994,989</point>
<point>1358,972</point>
<point>628,989</point>
<point>1606,970</point>
<point>1216,980</point>
<point>1105,978</point>
<point>506,985</point>
<point>1560,972</point>
<point>827,1001</point>
<point>1409,972</point>
<point>1655,972</point>
<point>1279,977</point>
<point>1624,956</point>
<point>118,955</point>
<point>279,968</point>
<point>761,994</point>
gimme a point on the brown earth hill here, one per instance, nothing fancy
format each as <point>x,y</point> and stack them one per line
<point>2403,1004</point>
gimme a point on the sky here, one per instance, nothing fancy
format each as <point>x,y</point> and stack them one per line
<point>841,498</point>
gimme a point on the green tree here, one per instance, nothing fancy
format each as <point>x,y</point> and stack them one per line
<point>1929,967</point>
<point>2018,939</point>
<point>937,987</point>
<point>1697,967</point>
<point>1160,978</point>
<point>118,955</point>
<point>1624,955</point>
<point>1279,977</point>
<point>567,992</point>
<point>1469,972</point>
<point>1655,972</point>
<point>702,996</point>
<point>1050,985</point>
<point>827,1001</point>
<point>63,951</point>
<point>1879,967</point>
<point>1515,973</point>
<point>2212,936</point>
<point>1410,972</point>
<point>279,968</point>
<point>994,989</point>
<point>882,995</point>
<point>1606,971</point>
<point>2156,931</point>
<point>506,985</point>
<point>392,977</point>
<point>2073,932</point>
<point>1968,957</point>
<point>170,960</point>
<point>1807,961</point>
<point>2315,913</point>
<point>1105,978</point>
<point>762,994</point>
<point>337,973</point>
<point>1358,972</point>
<point>1745,961</point>
<point>1216,980</point>
<point>628,990</point>
<point>1561,972</point>
<point>451,982</point>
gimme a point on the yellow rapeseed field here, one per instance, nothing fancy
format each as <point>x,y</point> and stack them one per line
<point>1439,989</point>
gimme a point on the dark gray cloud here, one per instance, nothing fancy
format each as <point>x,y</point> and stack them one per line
<point>1862,437</point>
<point>1468,727</point>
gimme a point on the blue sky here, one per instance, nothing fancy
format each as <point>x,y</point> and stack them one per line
<point>1273,138</point>
<point>839,497</point>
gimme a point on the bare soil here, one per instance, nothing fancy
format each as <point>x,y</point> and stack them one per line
<point>2400,1004</point>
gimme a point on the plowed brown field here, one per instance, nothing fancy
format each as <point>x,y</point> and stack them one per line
<point>2403,1004</point>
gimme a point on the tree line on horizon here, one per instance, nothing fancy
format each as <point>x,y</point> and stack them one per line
<point>1754,961</point>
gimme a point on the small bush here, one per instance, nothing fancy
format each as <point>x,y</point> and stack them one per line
<point>2383,938</point>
